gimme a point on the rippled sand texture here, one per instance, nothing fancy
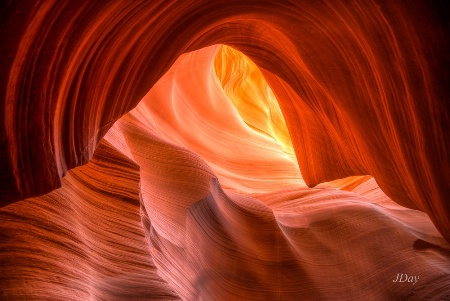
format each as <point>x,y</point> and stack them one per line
<point>190,196</point>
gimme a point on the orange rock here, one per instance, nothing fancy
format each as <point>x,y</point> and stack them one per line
<point>226,213</point>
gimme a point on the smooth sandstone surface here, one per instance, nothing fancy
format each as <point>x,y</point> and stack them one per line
<point>183,199</point>
<point>202,191</point>
<point>362,86</point>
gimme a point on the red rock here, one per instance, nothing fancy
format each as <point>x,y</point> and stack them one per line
<point>363,88</point>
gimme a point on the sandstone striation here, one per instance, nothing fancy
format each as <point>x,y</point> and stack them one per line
<point>141,158</point>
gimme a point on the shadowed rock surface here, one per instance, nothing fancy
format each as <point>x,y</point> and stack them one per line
<point>202,191</point>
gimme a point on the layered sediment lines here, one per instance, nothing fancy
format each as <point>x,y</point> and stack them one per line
<point>363,86</point>
<point>186,198</point>
<point>83,241</point>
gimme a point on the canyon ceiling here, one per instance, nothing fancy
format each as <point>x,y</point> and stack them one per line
<point>224,150</point>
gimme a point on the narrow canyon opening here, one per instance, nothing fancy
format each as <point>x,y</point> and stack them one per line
<point>195,194</point>
<point>212,150</point>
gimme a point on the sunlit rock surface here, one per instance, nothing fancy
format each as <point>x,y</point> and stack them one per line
<point>196,194</point>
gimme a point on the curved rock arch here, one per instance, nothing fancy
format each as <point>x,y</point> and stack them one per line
<point>362,85</point>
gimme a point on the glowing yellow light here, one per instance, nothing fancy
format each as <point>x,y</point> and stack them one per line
<point>247,89</point>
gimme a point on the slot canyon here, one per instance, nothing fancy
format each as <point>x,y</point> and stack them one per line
<point>224,150</point>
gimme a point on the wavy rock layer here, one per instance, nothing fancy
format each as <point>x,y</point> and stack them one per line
<point>183,199</point>
<point>363,86</point>
<point>245,86</point>
<point>84,241</point>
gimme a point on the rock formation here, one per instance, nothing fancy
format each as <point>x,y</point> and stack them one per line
<point>140,159</point>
